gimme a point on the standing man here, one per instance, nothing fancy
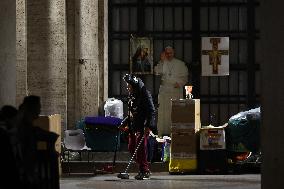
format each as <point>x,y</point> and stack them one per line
<point>141,115</point>
<point>174,75</point>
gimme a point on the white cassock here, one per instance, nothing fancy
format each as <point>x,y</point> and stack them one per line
<point>171,72</point>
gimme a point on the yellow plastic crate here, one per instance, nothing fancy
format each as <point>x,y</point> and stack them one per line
<point>182,165</point>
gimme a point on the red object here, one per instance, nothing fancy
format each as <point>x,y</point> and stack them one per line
<point>108,168</point>
<point>123,129</point>
<point>242,156</point>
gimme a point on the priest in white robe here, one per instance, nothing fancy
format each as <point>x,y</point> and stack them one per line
<point>174,75</point>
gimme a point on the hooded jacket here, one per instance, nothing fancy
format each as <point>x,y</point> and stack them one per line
<point>141,109</point>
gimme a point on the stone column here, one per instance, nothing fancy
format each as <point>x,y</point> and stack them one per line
<point>71,110</point>
<point>86,58</point>
<point>103,51</point>
<point>46,54</point>
<point>21,51</point>
<point>8,52</point>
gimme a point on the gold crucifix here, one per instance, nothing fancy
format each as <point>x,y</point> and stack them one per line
<point>215,54</point>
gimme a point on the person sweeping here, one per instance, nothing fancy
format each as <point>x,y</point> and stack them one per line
<point>140,121</point>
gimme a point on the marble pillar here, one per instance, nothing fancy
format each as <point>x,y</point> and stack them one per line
<point>86,59</point>
<point>21,51</point>
<point>47,56</point>
<point>103,51</point>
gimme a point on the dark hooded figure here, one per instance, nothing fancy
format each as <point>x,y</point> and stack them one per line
<point>29,136</point>
<point>141,115</point>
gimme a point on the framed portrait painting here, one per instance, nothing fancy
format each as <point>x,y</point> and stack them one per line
<point>141,55</point>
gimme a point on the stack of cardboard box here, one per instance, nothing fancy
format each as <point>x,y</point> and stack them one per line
<point>185,118</point>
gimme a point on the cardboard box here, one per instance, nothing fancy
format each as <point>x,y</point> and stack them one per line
<point>185,127</point>
<point>183,131</point>
<point>183,142</point>
<point>51,123</point>
<point>186,112</point>
<point>212,138</point>
<point>183,155</point>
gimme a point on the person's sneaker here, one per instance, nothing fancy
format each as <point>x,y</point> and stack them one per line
<point>143,175</point>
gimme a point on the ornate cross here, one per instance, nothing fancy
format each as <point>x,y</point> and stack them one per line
<point>215,54</point>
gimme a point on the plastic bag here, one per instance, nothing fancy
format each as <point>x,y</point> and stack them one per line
<point>114,107</point>
<point>166,149</point>
<point>253,114</point>
<point>244,128</point>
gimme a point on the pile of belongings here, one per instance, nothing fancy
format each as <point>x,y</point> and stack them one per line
<point>243,133</point>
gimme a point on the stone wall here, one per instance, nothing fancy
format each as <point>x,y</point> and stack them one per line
<point>59,51</point>
<point>8,53</point>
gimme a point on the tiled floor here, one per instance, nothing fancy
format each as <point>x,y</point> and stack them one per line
<point>163,181</point>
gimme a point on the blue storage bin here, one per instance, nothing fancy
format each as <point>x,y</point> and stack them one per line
<point>101,133</point>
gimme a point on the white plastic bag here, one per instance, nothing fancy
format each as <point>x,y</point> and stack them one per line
<point>114,107</point>
<point>251,114</point>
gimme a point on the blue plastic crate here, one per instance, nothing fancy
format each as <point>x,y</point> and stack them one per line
<point>101,133</point>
